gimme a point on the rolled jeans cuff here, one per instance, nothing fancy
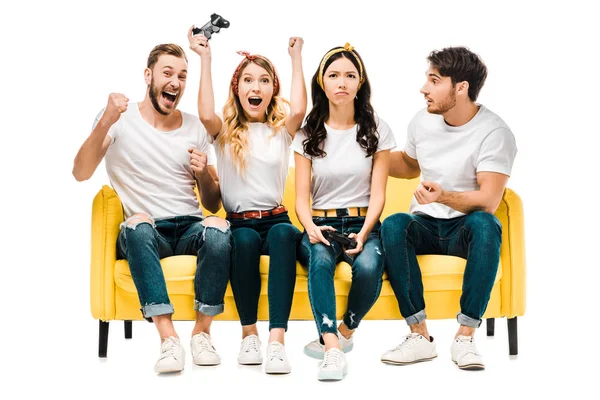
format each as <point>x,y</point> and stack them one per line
<point>209,310</point>
<point>468,321</point>
<point>152,310</point>
<point>416,318</point>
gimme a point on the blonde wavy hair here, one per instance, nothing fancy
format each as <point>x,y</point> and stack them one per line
<point>235,123</point>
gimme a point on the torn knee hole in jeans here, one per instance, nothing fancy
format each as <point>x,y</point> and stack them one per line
<point>136,219</point>
<point>215,222</point>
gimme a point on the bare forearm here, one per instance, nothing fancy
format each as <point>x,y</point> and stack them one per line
<point>399,168</point>
<point>206,97</point>
<point>210,193</point>
<point>376,204</point>
<point>298,98</point>
<point>468,202</point>
<point>304,212</point>
<point>91,153</point>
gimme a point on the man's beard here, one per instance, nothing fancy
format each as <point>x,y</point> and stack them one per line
<point>154,93</point>
<point>447,105</point>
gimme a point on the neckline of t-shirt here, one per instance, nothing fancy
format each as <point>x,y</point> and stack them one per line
<point>139,113</point>
<point>468,124</point>
<point>339,131</point>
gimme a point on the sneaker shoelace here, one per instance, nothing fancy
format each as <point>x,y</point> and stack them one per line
<point>275,352</point>
<point>205,344</point>
<point>467,345</point>
<point>409,341</point>
<point>167,349</point>
<point>251,344</point>
<point>331,360</point>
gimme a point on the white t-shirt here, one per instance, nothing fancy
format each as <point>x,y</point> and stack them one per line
<point>342,178</point>
<point>453,155</point>
<point>266,170</point>
<point>150,169</point>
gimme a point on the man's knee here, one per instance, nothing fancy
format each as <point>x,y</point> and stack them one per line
<point>139,218</point>
<point>216,222</point>
<point>393,228</point>
<point>483,222</point>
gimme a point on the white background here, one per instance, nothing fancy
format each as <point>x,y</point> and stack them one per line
<point>59,63</point>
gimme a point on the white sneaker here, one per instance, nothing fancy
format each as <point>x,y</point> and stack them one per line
<point>316,350</point>
<point>334,366</point>
<point>465,354</point>
<point>277,362</point>
<point>250,351</point>
<point>203,351</point>
<point>172,356</point>
<point>414,348</point>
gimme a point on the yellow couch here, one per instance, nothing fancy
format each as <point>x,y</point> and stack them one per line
<point>113,295</point>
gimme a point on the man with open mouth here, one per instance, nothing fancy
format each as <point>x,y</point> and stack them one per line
<point>155,156</point>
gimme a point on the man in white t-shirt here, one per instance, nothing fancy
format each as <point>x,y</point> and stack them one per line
<point>155,156</point>
<point>464,154</point>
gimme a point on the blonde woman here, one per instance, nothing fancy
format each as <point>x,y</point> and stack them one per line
<point>252,141</point>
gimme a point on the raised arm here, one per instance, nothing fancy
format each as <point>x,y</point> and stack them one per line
<point>94,148</point>
<point>298,92</point>
<point>206,98</point>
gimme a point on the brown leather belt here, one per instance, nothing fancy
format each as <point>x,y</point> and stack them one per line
<point>257,214</point>
<point>341,212</point>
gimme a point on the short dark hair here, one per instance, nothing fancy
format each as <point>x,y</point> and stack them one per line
<point>460,64</point>
<point>159,50</point>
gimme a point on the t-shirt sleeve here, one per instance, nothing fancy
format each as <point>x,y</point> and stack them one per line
<point>410,148</point>
<point>297,143</point>
<point>112,131</point>
<point>386,136</point>
<point>497,152</point>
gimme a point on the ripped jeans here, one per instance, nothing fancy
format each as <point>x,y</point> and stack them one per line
<point>367,273</point>
<point>143,244</point>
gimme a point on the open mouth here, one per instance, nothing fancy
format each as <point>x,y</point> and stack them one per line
<point>255,101</point>
<point>170,97</point>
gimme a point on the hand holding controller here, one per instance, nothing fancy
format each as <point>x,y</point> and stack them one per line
<point>213,26</point>
<point>343,239</point>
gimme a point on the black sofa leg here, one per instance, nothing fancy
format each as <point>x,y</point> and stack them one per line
<point>490,326</point>
<point>102,339</point>
<point>128,329</point>
<point>513,343</point>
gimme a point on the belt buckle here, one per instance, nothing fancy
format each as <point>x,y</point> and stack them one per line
<point>342,212</point>
<point>259,214</point>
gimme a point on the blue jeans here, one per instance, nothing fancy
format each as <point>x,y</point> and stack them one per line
<point>276,236</point>
<point>367,272</point>
<point>144,244</point>
<point>475,237</point>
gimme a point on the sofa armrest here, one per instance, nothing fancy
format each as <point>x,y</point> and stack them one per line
<point>512,254</point>
<point>107,215</point>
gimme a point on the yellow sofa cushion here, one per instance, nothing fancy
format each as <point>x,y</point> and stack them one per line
<point>440,273</point>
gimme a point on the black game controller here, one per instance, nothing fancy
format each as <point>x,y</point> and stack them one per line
<point>213,26</point>
<point>343,239</point>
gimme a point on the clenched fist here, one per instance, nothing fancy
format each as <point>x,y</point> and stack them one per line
<point>295,46</point>
<point>198,162</point>
<point>117,105</point>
